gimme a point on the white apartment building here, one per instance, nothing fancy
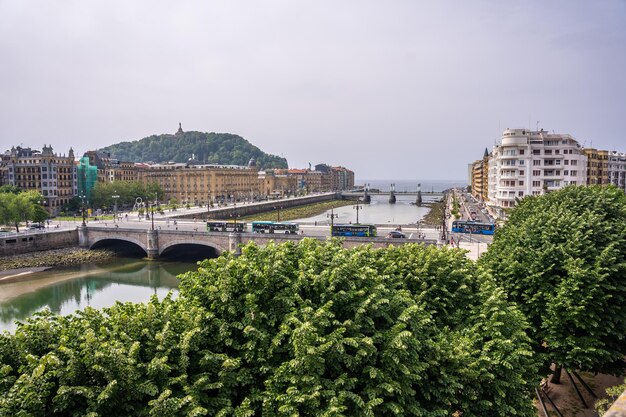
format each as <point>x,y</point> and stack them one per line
<point>617,169</point>
<point>531,163</point>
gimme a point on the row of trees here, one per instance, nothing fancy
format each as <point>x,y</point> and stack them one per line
<point>315,329</point>
<point>17,207</point>
<point>103,193</point>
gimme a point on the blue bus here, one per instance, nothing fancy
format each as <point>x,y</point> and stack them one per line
<point>470,226</point>
<point>275,227</point>
<point>362,230</point>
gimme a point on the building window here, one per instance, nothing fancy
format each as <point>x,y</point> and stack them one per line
<point>521,172</point>
<point>536,183</point>
<point>574,162</point>
<point>566,162</point>
<point>537,162</point>
<point>521,152</point>
<point>536,151</point>
<point>520,194</point>
<point>566,172</point>
<point>536,173</point>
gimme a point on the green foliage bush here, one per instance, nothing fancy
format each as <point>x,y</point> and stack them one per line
<point>562,258</point>
<point>293,329</point>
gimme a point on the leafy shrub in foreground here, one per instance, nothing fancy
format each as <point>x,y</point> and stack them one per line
<point>297,329</point>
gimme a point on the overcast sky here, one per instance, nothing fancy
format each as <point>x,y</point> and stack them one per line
<point>391,89</point>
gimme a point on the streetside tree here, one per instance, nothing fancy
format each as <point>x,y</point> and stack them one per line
<point>562,258</point>
<point>17,208</point>
<point>103,192</point>
<point>7,188</point>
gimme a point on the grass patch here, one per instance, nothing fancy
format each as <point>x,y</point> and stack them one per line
<point>435,216</point>
<point>300,212</point>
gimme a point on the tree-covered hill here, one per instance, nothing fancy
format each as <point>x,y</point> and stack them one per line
<point>213,148</point>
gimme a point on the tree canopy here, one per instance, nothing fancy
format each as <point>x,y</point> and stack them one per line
<point>212,148</point>
<point>21,207</point>
<point>292,329</point>
<point>562,258</point>
<point>127,191</point>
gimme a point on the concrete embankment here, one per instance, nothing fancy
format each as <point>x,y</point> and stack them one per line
<point>37,241</point>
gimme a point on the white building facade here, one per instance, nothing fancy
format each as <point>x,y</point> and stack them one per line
<point>532,163</point>
<point>617,169</point>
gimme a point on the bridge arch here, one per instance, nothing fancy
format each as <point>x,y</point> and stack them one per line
<point>130,244</point>
<point>191,250</point>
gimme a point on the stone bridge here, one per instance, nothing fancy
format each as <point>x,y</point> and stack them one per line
<point>158,242</point>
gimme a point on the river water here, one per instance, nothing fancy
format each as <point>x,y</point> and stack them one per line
<point>135,280</point>
<point>65,291</point>
<point>379,211</point>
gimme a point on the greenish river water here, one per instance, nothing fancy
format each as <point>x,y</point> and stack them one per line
<point>65,291</point>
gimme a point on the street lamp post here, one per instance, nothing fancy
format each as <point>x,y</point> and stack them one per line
<point>115,197</point>
<point>152,209</point>
<point>82,206</point>
<point>234,217</point>
<point>332,216</point>
<point>277,208</point>
<point>357,208</point>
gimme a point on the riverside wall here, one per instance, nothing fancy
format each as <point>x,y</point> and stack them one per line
<point>242,210</point>
<point>37,241</point>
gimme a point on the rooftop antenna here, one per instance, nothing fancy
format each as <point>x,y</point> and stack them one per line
<point>537,125</point>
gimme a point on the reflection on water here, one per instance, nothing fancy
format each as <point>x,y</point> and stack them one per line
<point>97,286</point>
<point>379,211</point>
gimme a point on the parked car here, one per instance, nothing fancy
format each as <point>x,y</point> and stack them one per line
<point>394,234</point>
<point>36,226</point>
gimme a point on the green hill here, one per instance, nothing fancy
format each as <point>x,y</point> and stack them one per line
<point>212,148</point>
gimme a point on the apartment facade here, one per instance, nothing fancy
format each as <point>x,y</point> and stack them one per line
<point>479,174</point>
<point>597,166</point>
<point>199,184</point>
<point>532,163</point>
<point>111,169</point>
<point>617,169</point>
<point>51,174</point>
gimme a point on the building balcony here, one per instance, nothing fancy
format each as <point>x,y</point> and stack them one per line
<point>507,189</point>
<point>505,198</point>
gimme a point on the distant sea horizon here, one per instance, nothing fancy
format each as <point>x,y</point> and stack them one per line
<point>411,185</point>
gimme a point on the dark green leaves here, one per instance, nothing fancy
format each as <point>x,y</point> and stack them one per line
<point>562,258</point>
<point>306,329</point>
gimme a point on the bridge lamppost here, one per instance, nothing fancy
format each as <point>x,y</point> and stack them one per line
<point>235,217</point>
<point>332,216</point>
<point>277,208</point>
<point>115,197</point>
<point>152,209</point>
<point>82,208</point>
<point>357,208</point>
